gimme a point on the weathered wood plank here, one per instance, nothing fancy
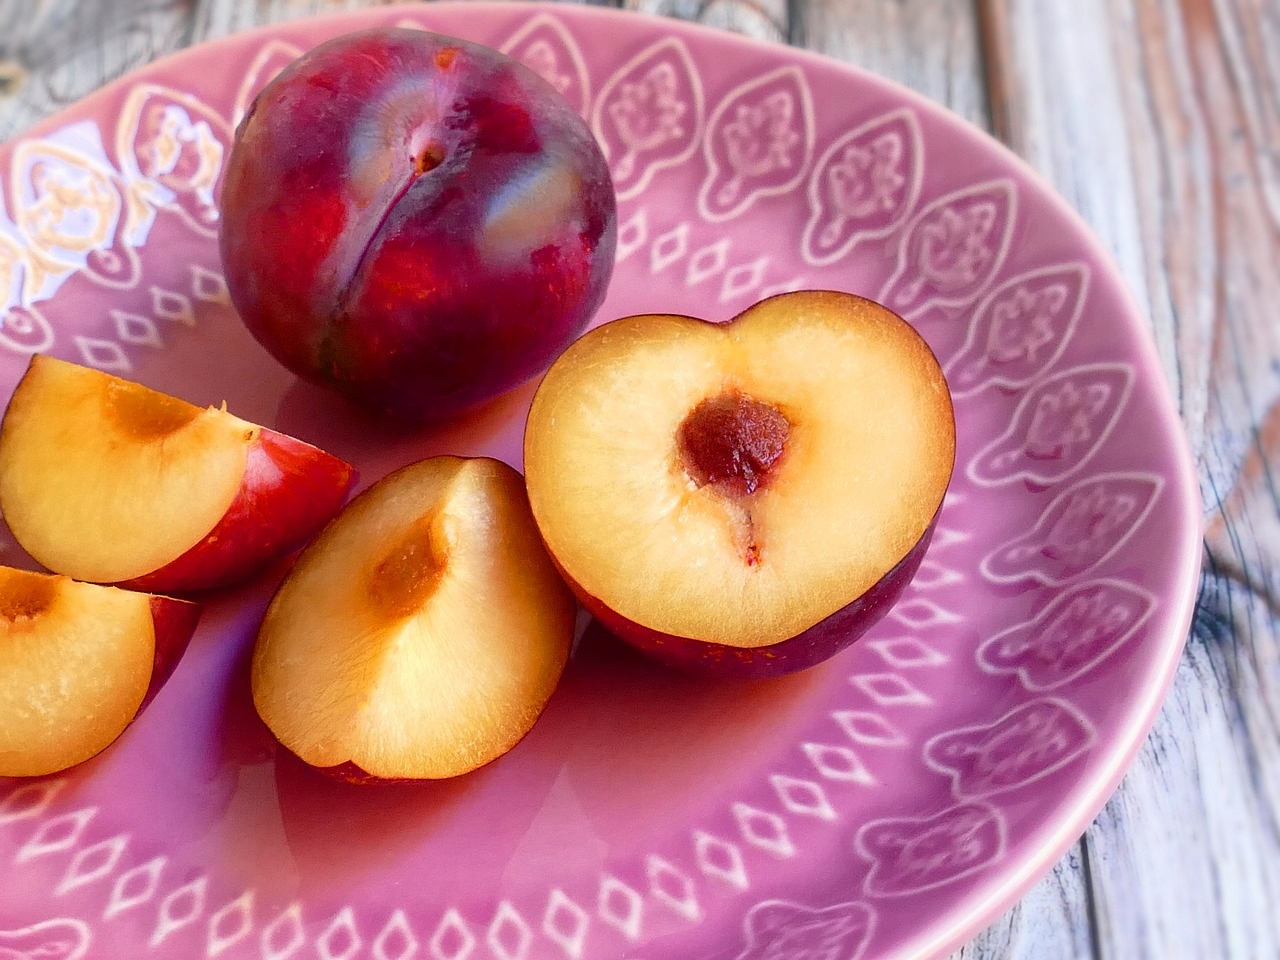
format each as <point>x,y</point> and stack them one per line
<point>762,19</point>
<point>932,46</point>
<point>1051,922</point>
<point>217,18</point>
<point>53,52</point>
<point>1158,121</point>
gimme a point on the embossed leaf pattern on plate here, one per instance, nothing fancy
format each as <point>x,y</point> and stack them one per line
<point>1020,329</point>
<point>864,186</point>
<point>172,149</point>
<point>912,855</point>
<point>72,214</point>
<point>1075,631</point>
<point>650,115</point>
<point>1057,427</point>
<point>546,46</point>
<point>1030,742</point>
<point>759,143</point>
<point>952,249</point>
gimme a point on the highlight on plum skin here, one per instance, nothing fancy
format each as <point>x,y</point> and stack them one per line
<point>415,221</point>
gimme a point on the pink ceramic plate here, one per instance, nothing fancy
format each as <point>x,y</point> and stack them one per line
<point>886,804</point>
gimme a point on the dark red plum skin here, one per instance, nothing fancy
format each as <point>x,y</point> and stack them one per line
<point>290,490</point>
<point>174,622</point>
<point>808,648</point>
<point>416,221</point>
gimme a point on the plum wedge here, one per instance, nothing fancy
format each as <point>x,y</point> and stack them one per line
<point>78,662</point>
<point>109,481</point>
<point>420,635</point>
<point>742,498</point>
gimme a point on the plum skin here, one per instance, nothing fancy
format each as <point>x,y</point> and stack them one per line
<point>810,647</point>
<point>415,221</point>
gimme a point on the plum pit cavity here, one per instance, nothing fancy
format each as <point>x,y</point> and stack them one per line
<point>733,442</point>
<point>428,158</point>
<point>24,596</point>
<point>409,571</point>
<point>146,414</point>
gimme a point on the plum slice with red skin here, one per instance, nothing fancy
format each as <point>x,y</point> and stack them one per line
<point>78,663</point>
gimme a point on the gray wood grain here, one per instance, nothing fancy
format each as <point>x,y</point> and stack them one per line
<point>1158,121</point>
<point>53,52</point>
<point>761,19</point>
<point>211,19</point>
<point>932,46</point>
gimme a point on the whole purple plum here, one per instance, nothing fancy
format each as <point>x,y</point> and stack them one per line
<point>415,221</point>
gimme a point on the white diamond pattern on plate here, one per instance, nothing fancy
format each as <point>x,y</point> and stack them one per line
<point>93,862</point>
<point>29,801</point>
<point>707,261</point>
<point>209,286</point>
<point>509,936</point>
<point>673,887</point>
<point>907,652</point>
<point>918,613</point>
<point>744,278</point>
<point>720,859</point>
<point>134,887</point>
<point>340,939</point>
<point>863,726</point>
<point>669,248</point>
<point>566,923</point>
<point>104,354</point>
<point>180,908</point>
<point>56,834</point>
<point>620,906</point>
<point>764,829</point>
<point>173,306</point>
<point>453,939</point>
<point>396,940</point>
<point>932,575</point>
<point>284,936</point>
<point>633,233</point>
<point>136,329</point>
<point>838,763</point>
<point>802,797</point>
<point>230,924</point>
<point>890,690</point>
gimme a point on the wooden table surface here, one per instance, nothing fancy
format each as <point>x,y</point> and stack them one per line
<point>1159,120</point>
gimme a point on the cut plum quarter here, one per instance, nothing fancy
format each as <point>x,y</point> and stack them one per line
<point>78,662</point>
<point>109,481</point>
<point>420,635</point>
<point>744,498</point>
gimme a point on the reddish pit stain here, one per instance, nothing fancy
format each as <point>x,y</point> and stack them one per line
<point>732,441</point>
